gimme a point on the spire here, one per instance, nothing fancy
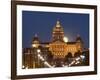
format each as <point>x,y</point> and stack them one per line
<point>78,35</point>
<point>35,41</point>
<point>35,38</point>
<point>36,35</point>
<point>78,38</point>
<point>58,24</point>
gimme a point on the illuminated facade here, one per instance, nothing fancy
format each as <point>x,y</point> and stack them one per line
<point>59,47</point>
<point>54,51</point>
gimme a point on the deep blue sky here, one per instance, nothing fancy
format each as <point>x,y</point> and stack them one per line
<point>42,23</point>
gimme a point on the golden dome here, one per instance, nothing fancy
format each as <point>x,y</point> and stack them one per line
<point>58,27</point>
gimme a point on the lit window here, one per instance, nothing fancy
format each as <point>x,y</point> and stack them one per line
<point>33,45</point>
<point>38,50</point>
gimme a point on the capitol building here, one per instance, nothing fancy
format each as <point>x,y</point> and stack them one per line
<point>58,52</point>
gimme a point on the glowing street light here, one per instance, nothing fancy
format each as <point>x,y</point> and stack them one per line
<point>82,56</point>
<point>23,66</point>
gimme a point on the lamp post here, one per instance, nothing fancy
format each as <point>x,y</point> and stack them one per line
<point>38,52</point>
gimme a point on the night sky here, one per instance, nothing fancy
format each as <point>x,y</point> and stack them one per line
<point>42,23</point>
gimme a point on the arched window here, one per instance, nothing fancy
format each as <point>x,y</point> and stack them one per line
<point>68,57</point>
<point>77,54</point>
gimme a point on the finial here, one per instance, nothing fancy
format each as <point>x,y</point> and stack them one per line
<point>78,35</point>
<point>58,24</point>
<point>36,35</point>
<point>78,38</point>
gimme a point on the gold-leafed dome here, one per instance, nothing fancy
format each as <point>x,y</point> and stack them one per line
<point>58,32</point>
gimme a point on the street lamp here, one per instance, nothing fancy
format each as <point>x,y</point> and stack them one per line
<point>82,56</point>
<point>38,50</point>
<point>23,67</point>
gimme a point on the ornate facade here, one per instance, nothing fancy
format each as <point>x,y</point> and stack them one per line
<point>53,51</point>
<point>59,48</point>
